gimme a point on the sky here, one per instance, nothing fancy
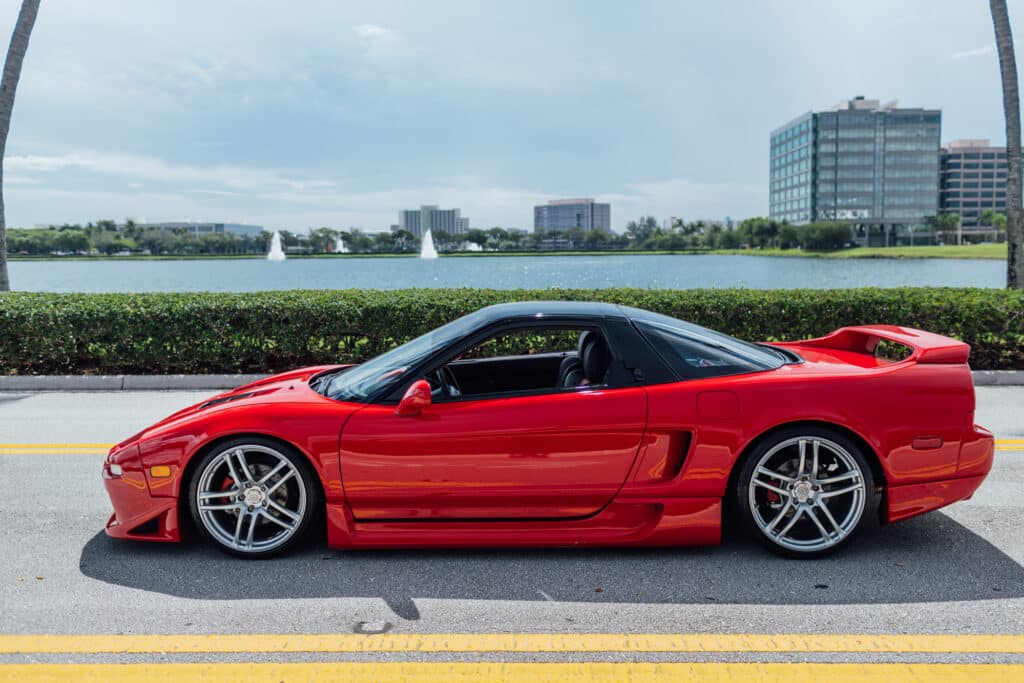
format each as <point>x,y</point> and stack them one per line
<point>339,114</point>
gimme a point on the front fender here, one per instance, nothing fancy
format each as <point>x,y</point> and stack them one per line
<point>314,429</point>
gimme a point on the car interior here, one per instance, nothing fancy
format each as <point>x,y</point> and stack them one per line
<point>551,360</point>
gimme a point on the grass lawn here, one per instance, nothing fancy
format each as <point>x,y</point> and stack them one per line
<point>986,251</point>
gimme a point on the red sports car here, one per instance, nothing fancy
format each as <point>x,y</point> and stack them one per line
<point>561,424</point>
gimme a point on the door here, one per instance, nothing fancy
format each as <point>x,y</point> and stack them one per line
<point>548,455</point>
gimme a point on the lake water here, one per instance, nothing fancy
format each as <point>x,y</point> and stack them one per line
<point>501,272</point>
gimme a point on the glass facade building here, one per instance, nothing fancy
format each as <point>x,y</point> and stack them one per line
<point>973,179</point>
<point>560,215</point>
<point>874,166</point>
<point>791,160</point>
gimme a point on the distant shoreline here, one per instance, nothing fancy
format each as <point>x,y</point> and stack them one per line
<point>981,251</point>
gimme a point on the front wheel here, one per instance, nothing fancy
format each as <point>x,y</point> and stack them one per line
<point>805,492</point>
<point>253,497</point>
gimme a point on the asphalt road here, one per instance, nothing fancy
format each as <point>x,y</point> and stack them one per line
<point>959,571</point>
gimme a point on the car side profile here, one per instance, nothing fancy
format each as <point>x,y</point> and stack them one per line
<point>565,424</point>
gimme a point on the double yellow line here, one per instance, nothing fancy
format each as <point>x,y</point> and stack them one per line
<point>624,651</point>
<point>102,448</point>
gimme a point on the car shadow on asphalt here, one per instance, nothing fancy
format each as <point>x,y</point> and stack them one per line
<point>928,559</point>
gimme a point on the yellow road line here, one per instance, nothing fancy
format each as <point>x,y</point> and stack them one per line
<point>52,451</point>
<point>423,672</point>
<point>106,446</point>
<point>508,642</point>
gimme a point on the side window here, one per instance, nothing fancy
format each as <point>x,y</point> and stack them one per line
<point>525,360</point>
<point>693,358</point>
<point>525,342</point>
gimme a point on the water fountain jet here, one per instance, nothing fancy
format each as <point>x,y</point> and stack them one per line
<point>276,253</point>
<point>427,249</point>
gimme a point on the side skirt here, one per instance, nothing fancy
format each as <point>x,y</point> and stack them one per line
<point>632,522</point>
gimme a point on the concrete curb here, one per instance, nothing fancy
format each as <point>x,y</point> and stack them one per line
<point>1002,378</point>
<point>124,382</point>
<point>982,378</point>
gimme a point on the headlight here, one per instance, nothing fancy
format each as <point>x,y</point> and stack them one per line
<point>115,470</point>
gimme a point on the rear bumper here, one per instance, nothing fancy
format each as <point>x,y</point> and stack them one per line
<point>137,514</point>
<point>976,455</point>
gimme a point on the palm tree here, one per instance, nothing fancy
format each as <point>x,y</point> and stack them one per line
<point>1011,107</point>
<point>12,73</point>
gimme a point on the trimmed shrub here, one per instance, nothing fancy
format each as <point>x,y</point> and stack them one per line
<point>272,331</point>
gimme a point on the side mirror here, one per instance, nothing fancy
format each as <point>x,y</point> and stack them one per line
<point>416,398</point>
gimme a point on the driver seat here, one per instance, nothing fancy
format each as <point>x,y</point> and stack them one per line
<point>590,363</point>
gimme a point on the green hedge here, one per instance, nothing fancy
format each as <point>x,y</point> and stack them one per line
<point>272,331</point>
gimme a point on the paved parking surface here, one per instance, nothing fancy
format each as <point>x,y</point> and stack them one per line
<point>952,583</point>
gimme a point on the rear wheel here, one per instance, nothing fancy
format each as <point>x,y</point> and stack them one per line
<point>254,497</point>
<point>806,491</point>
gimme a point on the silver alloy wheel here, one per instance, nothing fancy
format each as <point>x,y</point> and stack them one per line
<point>251,498</point>
<point>807,494</point>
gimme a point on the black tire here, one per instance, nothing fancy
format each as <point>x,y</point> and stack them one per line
<point>786,509</point>
<point>274,510</point>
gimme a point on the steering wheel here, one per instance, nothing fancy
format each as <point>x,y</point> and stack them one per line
<point>446,384</point>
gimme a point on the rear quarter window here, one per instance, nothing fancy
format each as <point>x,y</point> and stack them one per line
<point>694,357</point>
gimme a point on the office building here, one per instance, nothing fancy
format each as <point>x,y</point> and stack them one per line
<point>560,215</point>
<point>430,216</point>
<point>207,228</point>
<point>973,179</point>
<point>875,166</point>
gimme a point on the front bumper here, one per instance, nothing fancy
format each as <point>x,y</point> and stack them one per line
<point>137,514</point>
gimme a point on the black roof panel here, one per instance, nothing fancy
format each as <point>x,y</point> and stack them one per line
<point>534,309</point>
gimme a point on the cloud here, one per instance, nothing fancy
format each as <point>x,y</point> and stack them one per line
<point>139,168</point>
<point>20,180</point>
<point>275,200</point>
<point>977,52</point>
<point>374,32</point>
<point>689,199</point>
<point>381,46</point>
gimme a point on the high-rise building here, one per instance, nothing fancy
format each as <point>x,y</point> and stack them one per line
<point>973,179</point>
<point>431,217</point>
<point>875,166</point>
<point>560,215</point>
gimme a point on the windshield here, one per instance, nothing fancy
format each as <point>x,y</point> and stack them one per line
<point>390,368</point>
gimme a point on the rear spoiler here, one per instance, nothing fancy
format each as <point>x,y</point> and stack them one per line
<point>926,347</point>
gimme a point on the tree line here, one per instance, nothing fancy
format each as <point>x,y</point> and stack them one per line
<point>105,237</point>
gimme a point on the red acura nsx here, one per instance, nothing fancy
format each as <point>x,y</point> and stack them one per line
<point>562,424</point>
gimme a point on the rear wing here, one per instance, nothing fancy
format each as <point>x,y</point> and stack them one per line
<point>926,347</point>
